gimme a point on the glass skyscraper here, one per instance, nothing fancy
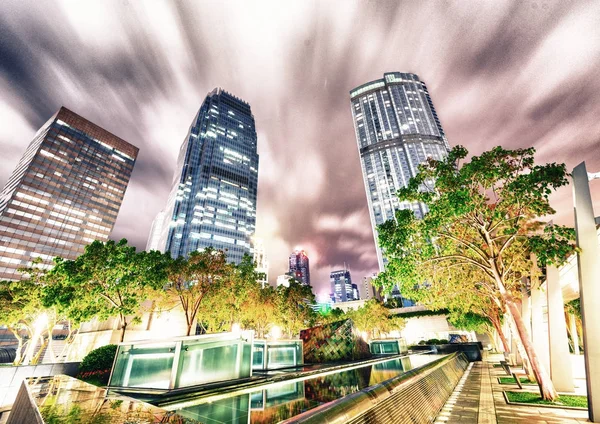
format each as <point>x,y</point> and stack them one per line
<point>396,129</point>
<point>65,193</point>
<point>299,267</point>
<point>342,288</point>
<point>213,199</point>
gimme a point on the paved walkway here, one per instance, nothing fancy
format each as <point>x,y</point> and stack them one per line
<point>478,399</point>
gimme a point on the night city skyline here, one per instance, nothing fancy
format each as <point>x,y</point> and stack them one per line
<point>516,74</point>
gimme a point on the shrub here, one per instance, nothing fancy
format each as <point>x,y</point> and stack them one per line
<point>95,367</point>
<point>99,359</point>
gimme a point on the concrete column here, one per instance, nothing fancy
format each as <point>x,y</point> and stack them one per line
<point>561,370</point>
<point>538,332</point>
<point>574,335</point>
<point>588,262</point>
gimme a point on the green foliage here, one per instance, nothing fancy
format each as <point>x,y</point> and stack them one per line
<point>99,359</point>
<point>108,280</point>
<point>470,322</point>
<point>189,280</point>
<point>333,315</point>
<point>293,308</point>
<point>574,307</point>
<point>470,252</point>
<point>484,210</point>
<point>375,319</point>
<point>424,313</point>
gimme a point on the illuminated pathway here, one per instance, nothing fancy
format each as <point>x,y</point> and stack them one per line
<point>478,399</point>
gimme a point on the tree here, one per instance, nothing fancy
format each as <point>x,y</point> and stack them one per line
<point>375,319</point>
<point>260,310</point>
<point>108,280</point>
<point>293,307</point>
<point>228,300</point>
<point>327,317</point>
<point>483,217</point>
<point>19,309</point>
<point>473,322</point>
<point>191,279</point>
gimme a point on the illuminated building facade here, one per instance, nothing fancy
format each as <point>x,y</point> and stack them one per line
<point>396,129</point>
<point>65,193</point>
<point>155,232</point>
<point>369,290</point>
<point>213,199</point>
<point>299,266</point>
<point>260,259</point>
<point>342,288</point>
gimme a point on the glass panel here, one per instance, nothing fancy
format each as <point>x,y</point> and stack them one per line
<point>281,356</point>
<point>200,365</point>
<point>147,366</point>
<point>257,357</point>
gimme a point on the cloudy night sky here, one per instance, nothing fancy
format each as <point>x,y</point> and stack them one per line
<point>514,73</point>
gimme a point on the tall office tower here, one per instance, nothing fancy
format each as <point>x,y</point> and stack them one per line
<point>213,199</point>
<point>260,259</point>
<point>342,289</point>
<point>369,290</point>
<point>396,129</point>
<point>299,266</point>
<point>155,232</point>
<point>65,193</point>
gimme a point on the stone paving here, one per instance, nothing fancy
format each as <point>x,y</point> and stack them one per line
<point>478,399</point>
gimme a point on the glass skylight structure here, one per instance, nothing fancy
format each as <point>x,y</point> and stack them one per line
<point>213,199</point>
<point>396,129</point>
<point>65,193</point>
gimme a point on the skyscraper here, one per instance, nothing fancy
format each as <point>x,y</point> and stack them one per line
<point>213,199</point>
<point>396,129</point>
<point>65,192</point>
<point>299,266</point>
<point>342,289</point>
<point>369,290</point>
<point>155,232</point>
<point>260,259</point>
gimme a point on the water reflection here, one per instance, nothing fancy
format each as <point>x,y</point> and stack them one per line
<point>280,401</point>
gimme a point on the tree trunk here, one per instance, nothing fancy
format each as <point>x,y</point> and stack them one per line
<point>123,329</point>
<point>501,334</point>
<point>490,334</point>
<point>520,347</point>
<point>547,390</point>
<point>19,351</point>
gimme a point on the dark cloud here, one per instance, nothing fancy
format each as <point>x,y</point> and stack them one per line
<point>504,73</point>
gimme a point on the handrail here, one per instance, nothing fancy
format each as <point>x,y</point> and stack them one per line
<point>353,405</point>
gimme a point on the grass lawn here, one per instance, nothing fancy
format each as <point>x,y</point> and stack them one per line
<point>535,399</point>
<point>511,380</point>
<point>497,366</point>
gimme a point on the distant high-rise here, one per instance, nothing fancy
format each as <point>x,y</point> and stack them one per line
<point>155,232</point>
<point>260,259</point>
<point>370,291</point>
<point>396,129</point>
<point>299,266</point>
<point>342,289</point>
<point>65,193</point>
<point>213,199</point>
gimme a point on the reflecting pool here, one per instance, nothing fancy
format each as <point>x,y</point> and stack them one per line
<point>283,400</point>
